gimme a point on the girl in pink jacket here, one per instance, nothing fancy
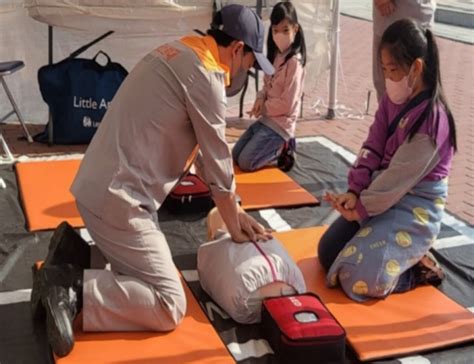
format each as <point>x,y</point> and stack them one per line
<point>277,104</point>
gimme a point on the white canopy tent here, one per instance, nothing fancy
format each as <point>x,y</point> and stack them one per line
<point>139,26</point>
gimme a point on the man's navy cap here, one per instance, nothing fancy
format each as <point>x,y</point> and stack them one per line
<point>242,23</point>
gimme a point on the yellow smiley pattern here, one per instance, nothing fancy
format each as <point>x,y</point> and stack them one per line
<point>440,203</point>
<point>403,239</point>
<point>392,268</point>
<point>363,233</point>
<point>333,280</point>
<point>350,250</point>
<point>421,215</point>
<point>360,288</point>
<point>371,262</point>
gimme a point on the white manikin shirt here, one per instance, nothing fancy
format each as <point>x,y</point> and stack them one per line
<point>236,275</point>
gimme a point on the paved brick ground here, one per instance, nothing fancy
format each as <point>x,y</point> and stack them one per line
<point>354,82</point>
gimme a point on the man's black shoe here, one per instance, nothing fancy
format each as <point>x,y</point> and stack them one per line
<point>67,276</point>
<point>57,295</point>
<point>61,310</point>
<point>67,247</point>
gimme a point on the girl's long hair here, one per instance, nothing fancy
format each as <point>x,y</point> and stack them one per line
<point>406,41</point>
<point>281,11</point>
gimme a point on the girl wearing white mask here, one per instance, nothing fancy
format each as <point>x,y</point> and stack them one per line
<point>277,104</point>
<point>392,212</point>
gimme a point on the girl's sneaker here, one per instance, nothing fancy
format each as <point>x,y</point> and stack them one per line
<point>428,271</point>
<point>286,160</point>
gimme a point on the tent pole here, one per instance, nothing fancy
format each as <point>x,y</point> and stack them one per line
<point>334,60</point>
<point>50,61</point>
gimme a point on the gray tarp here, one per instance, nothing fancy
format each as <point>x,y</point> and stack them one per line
<point>318,169</point>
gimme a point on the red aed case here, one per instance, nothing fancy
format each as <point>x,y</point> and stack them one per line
<point>300,329</point>
<point>191,195</point>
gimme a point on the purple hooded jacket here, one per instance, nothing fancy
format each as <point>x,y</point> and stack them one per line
<point>388,167</point>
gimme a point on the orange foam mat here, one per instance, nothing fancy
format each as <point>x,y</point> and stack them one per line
<point>270,187</point>
<point>419,320</point>
<point>44,189</point>
<point>194,341</point>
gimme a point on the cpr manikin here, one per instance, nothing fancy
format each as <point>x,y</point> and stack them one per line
<point>239,276</point>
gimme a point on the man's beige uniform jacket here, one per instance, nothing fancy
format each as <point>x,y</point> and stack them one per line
<point>172,102</point>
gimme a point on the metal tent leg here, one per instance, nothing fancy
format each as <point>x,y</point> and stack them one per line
<point>16,110</point>
<point>4,144</point>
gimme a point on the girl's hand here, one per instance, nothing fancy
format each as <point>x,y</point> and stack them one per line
<point>349,215</point>
<point>257,108</point>
<point>329,197</point>
<point>346,200</point>
<point>338,201</point>
<point>250,229</point>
